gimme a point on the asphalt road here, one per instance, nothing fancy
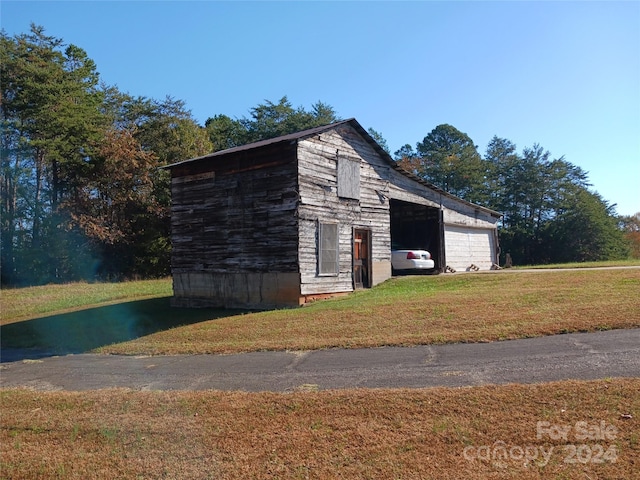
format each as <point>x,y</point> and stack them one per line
<point>614,353</point>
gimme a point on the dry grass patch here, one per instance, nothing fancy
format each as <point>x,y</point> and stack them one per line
<point>331,434</point>
<point>421,310</point>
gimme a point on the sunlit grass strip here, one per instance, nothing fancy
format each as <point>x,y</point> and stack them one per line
<point>384,434</point>
<point>420,310</point>
<point>632,262</point>
<point>403,311</point>
<point>22,303</point>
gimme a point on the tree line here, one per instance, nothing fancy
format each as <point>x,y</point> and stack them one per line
<point>549,213</point>
<point>83,197</point>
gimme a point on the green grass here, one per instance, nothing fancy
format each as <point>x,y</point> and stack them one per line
<point>402,311</point>
<point>632,262</point>
<point>31,302</point>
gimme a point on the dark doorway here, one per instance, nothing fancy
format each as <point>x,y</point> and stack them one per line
<point>418,226</point>
<point>361,258</point>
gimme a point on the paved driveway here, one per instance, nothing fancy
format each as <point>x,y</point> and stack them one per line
<point>614,353</point>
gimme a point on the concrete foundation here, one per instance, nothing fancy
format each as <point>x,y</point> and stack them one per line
<point>236,290</point>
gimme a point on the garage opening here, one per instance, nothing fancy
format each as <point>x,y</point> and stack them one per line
<point>420,227</point>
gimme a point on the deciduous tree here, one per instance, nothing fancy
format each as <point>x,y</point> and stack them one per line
<point>224,132</point>
<point>52,120</point>
<point>630,226</point>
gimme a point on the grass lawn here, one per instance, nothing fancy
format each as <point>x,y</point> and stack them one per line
<point>632,262</point>
<point>24,303</point>
<point>488,432</point>
<point>403,311</point>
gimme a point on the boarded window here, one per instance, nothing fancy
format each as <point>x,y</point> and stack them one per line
<point>328,249</point>
<point>349,177</point>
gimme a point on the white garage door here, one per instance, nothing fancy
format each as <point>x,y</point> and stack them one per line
<point>465,247</point>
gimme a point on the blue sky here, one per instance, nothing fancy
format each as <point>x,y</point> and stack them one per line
<point>565,75</point>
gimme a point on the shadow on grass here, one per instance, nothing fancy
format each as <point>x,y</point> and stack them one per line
<point>85,330</point>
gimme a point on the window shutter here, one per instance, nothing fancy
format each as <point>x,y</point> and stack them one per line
<point>349,178</point>
<point>328,258</point>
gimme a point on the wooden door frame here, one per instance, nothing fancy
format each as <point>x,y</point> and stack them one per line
<point>367,282</point>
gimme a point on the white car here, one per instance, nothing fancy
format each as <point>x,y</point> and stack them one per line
<point>411,259</point>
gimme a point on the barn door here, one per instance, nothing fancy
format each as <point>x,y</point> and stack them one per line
<point>361,258</point>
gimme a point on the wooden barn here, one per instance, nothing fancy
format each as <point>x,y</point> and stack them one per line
<point>308,215</point>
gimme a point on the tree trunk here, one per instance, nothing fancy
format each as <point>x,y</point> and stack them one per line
<point>37,201</point>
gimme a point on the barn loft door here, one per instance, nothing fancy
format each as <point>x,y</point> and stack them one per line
<point>361,258</point>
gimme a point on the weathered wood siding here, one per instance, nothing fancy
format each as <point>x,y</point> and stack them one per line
<point>233,222</point>
<point>477,225</point>
<point>245,222</point>
<point>455,211</point>
<point>319,201</point>
<point>470,232</point>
